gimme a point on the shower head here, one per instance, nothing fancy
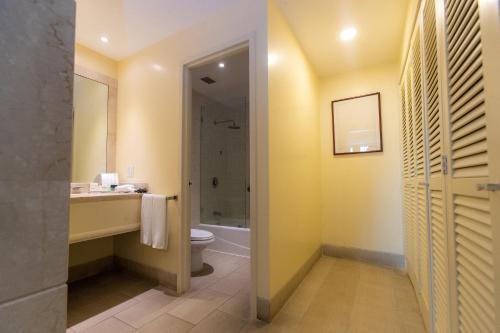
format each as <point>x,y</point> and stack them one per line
<point>232,126</point>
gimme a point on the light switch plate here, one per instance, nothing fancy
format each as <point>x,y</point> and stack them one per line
<point>130,171</point>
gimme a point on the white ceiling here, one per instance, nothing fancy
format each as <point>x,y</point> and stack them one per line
<point>132,25</point>
<point>317,25</point>
<point>232,81</point>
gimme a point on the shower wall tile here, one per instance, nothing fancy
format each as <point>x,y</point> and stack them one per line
<point>37,43</point>
<point>222,153</point>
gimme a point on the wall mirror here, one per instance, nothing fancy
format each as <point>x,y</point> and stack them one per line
<point>94,123</point>
<point>357,125</point>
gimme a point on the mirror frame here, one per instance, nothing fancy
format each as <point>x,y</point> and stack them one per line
<point>112,110</point>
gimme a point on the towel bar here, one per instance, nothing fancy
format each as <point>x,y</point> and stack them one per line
<point>172,197</point>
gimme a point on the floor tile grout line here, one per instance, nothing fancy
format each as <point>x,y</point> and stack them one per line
<point>135,329</point>
<point>105,318</point>
<point>198,321</point>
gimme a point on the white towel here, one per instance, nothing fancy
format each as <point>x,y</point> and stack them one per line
<point>154,221</point>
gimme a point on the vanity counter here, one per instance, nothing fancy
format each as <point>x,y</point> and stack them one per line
<point>97,215</point>
<point>102,196</point>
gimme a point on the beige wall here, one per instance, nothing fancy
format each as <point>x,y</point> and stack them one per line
<point>150,115</point>
<point>361,194</point>
<point>97,62</point>
<point>294,155</point>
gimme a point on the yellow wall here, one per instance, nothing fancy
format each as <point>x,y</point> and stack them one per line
<point>361,194</point>
<point>294,155</point>
<point>97,62</point>
<point>149,126</point>
<point>84,252</point>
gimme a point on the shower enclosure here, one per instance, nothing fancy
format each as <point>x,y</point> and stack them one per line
<point>224,173</point>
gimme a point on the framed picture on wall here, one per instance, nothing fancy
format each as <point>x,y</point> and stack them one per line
<point>357,125</point>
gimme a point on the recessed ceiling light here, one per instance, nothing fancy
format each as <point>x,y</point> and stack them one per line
<point>348,34</point>
<point>104,39</point>
<point>158,67</point>
<point>222,65</point>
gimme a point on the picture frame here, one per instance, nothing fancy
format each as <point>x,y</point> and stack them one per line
<point>357,125</point>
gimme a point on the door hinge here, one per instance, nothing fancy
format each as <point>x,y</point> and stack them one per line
<point>444,164</point>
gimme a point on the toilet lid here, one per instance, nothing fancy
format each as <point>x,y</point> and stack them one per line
<point>198,234</point>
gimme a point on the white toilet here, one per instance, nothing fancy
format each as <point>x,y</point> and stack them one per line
<point>200,239</point>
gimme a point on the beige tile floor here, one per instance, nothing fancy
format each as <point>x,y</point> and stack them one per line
<point>336,296</point>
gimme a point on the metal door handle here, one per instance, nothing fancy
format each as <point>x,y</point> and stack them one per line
<point>488,187</point>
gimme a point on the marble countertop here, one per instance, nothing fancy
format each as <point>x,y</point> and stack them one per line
<point>102,196</point>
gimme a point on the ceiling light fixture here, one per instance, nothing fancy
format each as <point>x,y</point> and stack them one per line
<point>222,65</point>
<point>104,39</point>
<point>158,67</point>
<point>348,34</point>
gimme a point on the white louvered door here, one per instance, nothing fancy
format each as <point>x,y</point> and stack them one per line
<point>451,164</point>
<point>421,175</point>
<point>434,156</point>
<point>409,175</point>
<point>472,57</point>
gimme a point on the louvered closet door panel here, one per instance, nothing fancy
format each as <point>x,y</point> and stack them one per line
<point>412,232</point>
<point>418,118</point>
<point>440,275</point>
<point>411,221</point>
<point>435,138</point>
<point>409,124</point>
<point>421,173</point>
<point>474,263</point>
<point>474,150</point>
<point>469,154</point>
<point>423,250</point>
<point>404,134</point>
<point>407,199</point>
<point>432,92</point>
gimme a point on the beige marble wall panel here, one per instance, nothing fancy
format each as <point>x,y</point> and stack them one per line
<point>41,312</point>
<point>36,89</point>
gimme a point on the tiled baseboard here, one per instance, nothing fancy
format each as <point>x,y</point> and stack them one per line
<point>90,268</point>
<point>267,309</point>
<point>166,279</point>
<point>106,264</point>
<point>385,259</point>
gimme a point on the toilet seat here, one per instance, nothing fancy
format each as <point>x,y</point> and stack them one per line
<point>198,235</point>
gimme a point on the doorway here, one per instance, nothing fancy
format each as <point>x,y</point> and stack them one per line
<point>217,215</point>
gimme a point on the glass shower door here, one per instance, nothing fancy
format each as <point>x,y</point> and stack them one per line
<point>224,191</point>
